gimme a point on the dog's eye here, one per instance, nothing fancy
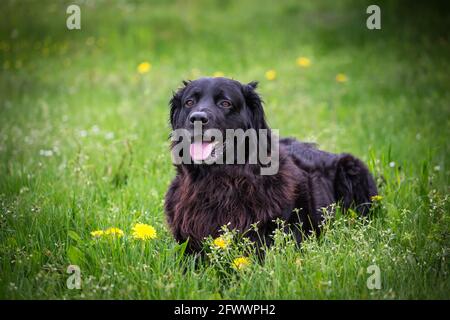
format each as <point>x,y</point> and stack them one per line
<point>189,103</point>
<point>225,104</point>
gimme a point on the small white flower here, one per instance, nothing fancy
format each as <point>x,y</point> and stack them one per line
<point>437,168</point>
<point>95,129</point>
<point>109,135</point>
<point>392,164</point>
<point>83,133</point>
<point>46,153</point>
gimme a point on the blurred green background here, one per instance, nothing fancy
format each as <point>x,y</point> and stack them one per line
<point>84,140</point>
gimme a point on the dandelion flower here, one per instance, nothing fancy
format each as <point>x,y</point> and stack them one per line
<point>376,198</point>
<point>340,77</point>
<point>143,231</point>
<point>241,263</point>
<point>97,233</point>
<point>114,232</point>
<point>303,62</point>
<point>271,75</point>
<point>144,67</point>
<point>220,242</point>
<point>218,74</point>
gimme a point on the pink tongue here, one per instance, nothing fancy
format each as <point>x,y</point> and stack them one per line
<point>200,150</point>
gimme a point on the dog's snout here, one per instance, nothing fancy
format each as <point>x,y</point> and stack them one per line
<point>198,116</point>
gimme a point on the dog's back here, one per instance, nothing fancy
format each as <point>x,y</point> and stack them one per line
<point>342,177</point>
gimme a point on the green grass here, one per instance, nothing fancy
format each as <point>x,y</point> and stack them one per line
<point>84,143</point>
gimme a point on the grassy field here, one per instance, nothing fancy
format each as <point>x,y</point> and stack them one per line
<point>84,143</point>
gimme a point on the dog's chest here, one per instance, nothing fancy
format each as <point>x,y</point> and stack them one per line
<point>237,201</point>
<point>227,196</point>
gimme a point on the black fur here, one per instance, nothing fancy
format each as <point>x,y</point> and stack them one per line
<point>204,197</point>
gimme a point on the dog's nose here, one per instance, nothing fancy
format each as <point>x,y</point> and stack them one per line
<point>198,116</point>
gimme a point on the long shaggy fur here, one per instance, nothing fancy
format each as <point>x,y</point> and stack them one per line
<point>202,198</point>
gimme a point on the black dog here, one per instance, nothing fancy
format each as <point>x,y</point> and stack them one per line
<point>203,197</point>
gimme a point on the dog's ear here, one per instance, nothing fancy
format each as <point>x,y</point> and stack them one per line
<point>255,104</point>
<point>175,103</point>
<point>253,84</point>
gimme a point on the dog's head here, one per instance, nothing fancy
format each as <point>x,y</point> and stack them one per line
<point>215,103</point>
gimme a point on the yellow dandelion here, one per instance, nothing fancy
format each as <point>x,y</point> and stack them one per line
<point>241,263</point>
<point>218,74</point>
<point>114,232</point>
<point>220,242</point>
<point>376,198</point>
<point>97,233</point>
<point>271,75</point>
<point>143,231</point>
<point>303,62</point>
<point>144,67</point>
<point>340,77</point>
